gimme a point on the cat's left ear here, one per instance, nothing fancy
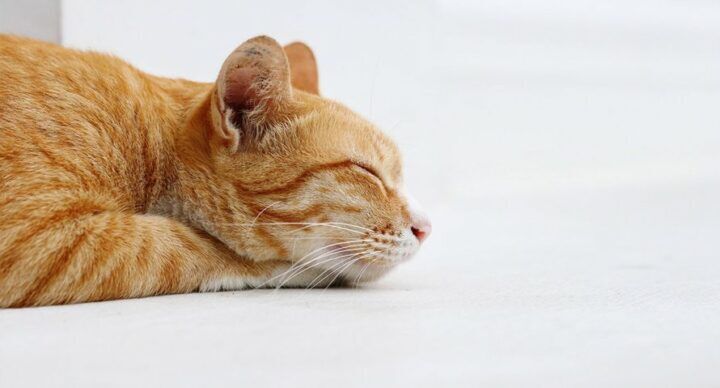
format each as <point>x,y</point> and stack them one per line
<point>303,67</point>
<point>253,91</point>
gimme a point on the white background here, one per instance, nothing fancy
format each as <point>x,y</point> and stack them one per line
<point>567,151</point>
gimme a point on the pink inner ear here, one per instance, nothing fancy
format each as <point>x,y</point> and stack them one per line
<point>239,91</point>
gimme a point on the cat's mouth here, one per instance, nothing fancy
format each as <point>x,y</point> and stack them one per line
<point>369,269</point>
<point>353,261</point>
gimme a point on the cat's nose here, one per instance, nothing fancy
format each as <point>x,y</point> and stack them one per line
<point>421,227</point>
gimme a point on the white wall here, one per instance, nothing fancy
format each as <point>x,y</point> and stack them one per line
<point>357,43</point>
<point>39,19</point>
<point>564,95</point>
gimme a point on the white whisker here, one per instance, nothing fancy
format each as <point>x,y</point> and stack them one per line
<point>362,271</point>
<point>316,262</point>
<point>350,264</point>
<point>327,270</point>
<point>316,265</point>
<point>343,266</point>
<point>292,267</point>
<point>326,224</point>
<point>263,211</point>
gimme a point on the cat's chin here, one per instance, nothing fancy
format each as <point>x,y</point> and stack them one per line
<point>362,273</point>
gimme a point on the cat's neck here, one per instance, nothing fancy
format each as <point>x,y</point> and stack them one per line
<point>194,186</point>
<point>186,104</point>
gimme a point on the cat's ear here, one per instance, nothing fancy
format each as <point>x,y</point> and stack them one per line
<point>303,67</point>
<point>253,88</point>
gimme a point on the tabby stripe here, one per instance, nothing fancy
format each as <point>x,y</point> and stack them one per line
<point>15,190</point>
<point>170,274</point>
<point>190,244</point>
<point>114,283</point>
<point>142,267</point>
<point>106,265</point>
<point>185,238</point>
<point>295,183</point>
<point>310,212</point>
<point>13,257</point>
<point>271,241</point>
<point>57,268</point>
<point>61,162</point>
<point>170,271</point>
<point>150,172</point>
<point>101,250</point>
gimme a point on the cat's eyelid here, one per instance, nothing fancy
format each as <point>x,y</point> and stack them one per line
<point>370,170</point>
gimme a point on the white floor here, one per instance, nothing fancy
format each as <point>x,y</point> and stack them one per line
<point>609,289</point>
<point>569,155</point>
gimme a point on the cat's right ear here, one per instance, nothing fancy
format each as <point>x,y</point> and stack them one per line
<point>252,89</point>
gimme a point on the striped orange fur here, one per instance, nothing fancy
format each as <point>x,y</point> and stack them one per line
<point>118,184</point>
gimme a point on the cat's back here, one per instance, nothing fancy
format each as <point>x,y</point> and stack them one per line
<point>81,118</point>
<point>52,87</point>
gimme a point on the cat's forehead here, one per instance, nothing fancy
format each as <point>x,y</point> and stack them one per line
<point>333,131</point>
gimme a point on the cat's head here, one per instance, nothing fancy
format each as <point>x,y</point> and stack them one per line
<point>289,175</point>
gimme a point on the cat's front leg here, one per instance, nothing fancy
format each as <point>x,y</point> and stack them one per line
<point>80,251</point>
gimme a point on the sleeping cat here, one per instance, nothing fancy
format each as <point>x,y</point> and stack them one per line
<point>118,184</point>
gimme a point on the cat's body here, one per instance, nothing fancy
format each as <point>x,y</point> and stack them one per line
<point>116,184</point>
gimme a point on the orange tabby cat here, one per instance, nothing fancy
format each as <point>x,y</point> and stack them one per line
<point>119,184</point>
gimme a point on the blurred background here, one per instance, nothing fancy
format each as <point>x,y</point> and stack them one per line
<point>568,153</point>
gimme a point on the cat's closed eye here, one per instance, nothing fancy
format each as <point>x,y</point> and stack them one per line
<point>368,170</point>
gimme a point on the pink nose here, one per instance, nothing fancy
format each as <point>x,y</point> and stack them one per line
<point>421,227</point>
